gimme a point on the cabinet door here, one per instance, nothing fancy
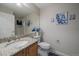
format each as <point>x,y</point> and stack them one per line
<point>26,51</point>
<point>33,50</point>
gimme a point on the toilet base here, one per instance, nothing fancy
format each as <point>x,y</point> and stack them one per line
<point>42,52</point>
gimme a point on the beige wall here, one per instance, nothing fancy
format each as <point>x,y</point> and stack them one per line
<point>68,35</point>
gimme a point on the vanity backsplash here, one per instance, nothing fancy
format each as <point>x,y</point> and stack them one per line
<point>16,37</point>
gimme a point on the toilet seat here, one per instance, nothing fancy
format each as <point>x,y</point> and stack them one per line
<point>44,45</point>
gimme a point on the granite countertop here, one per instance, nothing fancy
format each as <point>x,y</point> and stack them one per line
<point>9,51</point>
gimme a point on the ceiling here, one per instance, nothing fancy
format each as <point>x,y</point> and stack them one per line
<point>25,8</point>
<point>22,10</point>
<point>43,5</point>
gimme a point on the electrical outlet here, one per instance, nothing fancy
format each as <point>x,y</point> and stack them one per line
<point>58,41</point>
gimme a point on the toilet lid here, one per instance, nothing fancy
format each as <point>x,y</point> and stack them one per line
<point>44,44</point>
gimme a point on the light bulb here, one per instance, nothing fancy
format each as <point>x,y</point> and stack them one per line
<point>19,4</point>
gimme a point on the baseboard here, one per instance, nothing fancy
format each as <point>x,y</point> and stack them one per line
<point>60,53</point>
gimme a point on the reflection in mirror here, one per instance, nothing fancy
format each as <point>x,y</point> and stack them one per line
<point>18,20</point>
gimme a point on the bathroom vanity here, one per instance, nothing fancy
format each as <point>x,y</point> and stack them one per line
<point>31,50</point>
<point>25,46</point>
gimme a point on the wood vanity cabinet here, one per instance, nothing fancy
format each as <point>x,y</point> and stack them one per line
<point>20,53</point>
<point>32,50</point>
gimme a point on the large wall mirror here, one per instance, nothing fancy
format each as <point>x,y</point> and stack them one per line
<point>18,19</point>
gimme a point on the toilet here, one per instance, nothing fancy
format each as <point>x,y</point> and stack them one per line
<point>44,47</point>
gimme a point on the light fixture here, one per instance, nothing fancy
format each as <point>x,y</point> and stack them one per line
<point>19,4</point>
<point>22,5</point>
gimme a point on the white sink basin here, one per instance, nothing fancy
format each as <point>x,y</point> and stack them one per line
<point>18,44</point>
